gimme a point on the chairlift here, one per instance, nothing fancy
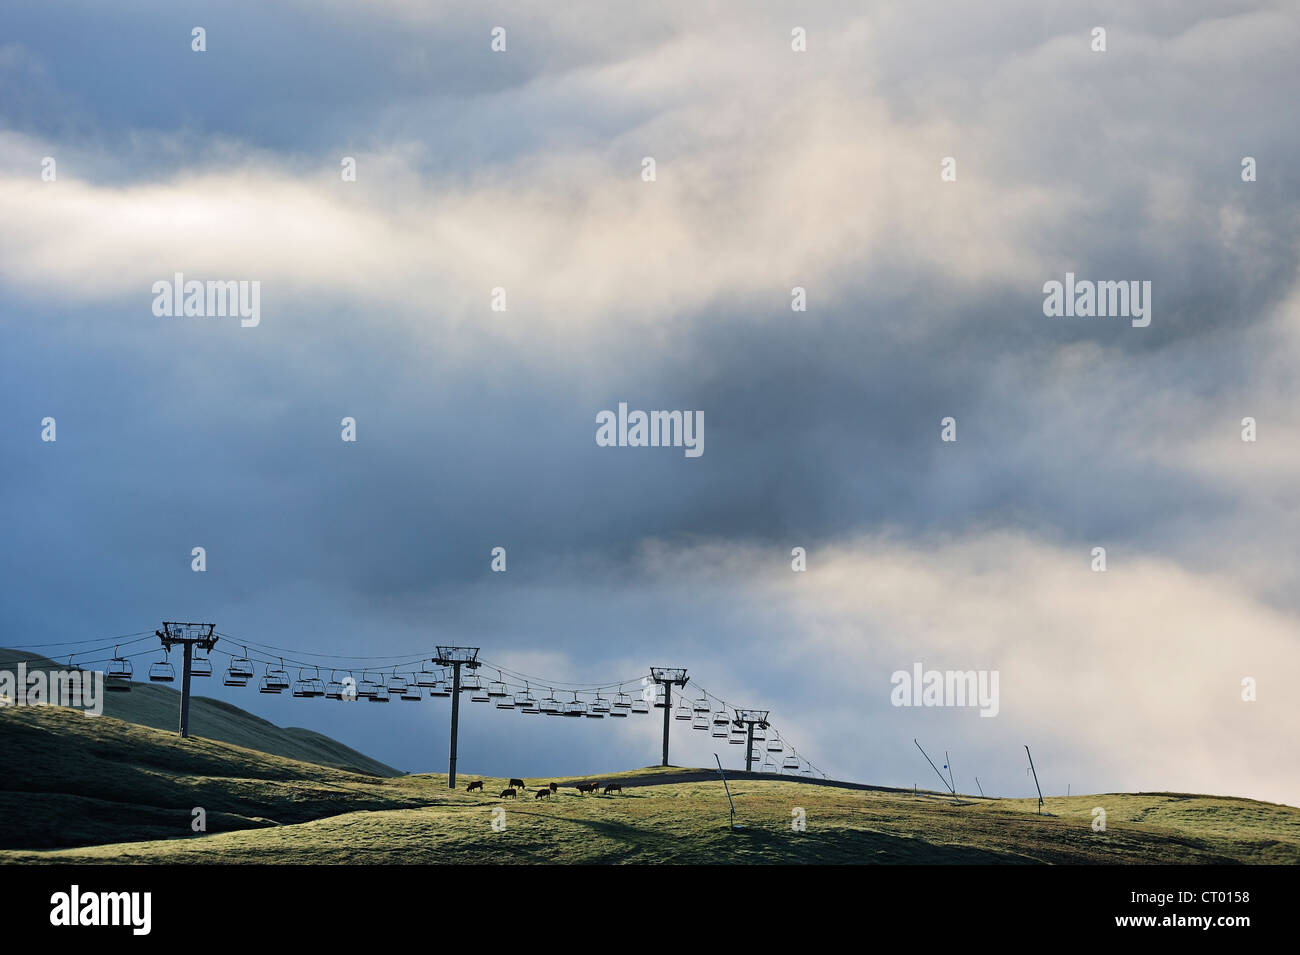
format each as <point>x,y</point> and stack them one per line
<point>334,690</point>
<point>526,702</point>
<point>640,706</point>
<point>276,677</point>
<point>235,676</point>
<point>702,706</point>
<point>760,732</point>
<point>367,689</point>
<point>768,766</point>
<point>380,697</point>
<point>241,668</point>
<point>396,684</point>
<point>774,745</point>
<point>660,696</point>
<point>505,699</point>
<point>470,682</point>
<point>682,711</point>
<point>497,689</point>
<point>119,668</point>
<point>598,708</point>
<point>790,762</point>
<point>700,722</point>
<point>426,677</point>
<point>720,729</point>
<point>163,671</point>
<point>550,706</point>
<point>200,666</point>
<point>479,693</point>
<point>621,706</point>
<point>575,707</point>
<point>441,688</point>
<point>737,736</point>
<point>413,693</point>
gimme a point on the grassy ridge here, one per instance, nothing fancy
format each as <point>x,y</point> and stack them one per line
<point>157,705</point>
<point>125,786</point>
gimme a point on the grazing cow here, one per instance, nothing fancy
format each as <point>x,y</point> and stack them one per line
<point>585,788</point>
<point>541,793</point>
<point>478,784</point>
<point>613,788</point>
<point>507,794</point>
<point>518,783</point>
<point>554,787</point>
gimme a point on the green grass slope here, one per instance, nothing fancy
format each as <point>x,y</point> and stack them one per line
<point>158,705</point>
<point>126,793</point>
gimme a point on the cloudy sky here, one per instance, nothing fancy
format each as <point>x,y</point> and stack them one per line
<point>522,170</point>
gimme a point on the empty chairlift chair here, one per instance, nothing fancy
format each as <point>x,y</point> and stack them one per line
<point>526,702</point>
<point>478,692</point>
<point>721,725</point>
<point>682,711</point>
<point>240,670</point>
<point>396,684</point>
<point>701,721</point>
<point>200,666</point>
<point>575,707</point>
<point>790,762</point>
<point>163,671</point>
<point>598,709</point>
<point>273,680</point>
<point>441,688</point>
<point>551,706</point>
<point>498,692</point>
<point>737,737</point>
<point>413,693</point>
<point>621,706</point>
<point>427,677</point>
<point>641,705</point>
<point>118,674</point>
<point>304,688</point>
<point>334,689</point>
<point>367,688</point>
<point>774,744</point>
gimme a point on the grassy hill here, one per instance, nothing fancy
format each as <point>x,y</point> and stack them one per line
<point>124,793</point>
<point>157,705</point>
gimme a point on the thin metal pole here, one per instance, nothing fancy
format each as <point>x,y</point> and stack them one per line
<point>728,789</point>
<point>455,722</point>
<point>951,784</point>
<point>749,749</point>
<point>977,783</point>
<point>1035,772</point>
<point>932,766</point>
<point>185,692</point>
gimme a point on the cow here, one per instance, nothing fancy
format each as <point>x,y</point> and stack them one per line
<point>613,788</point>
<point>554,787</point>
<point>477,784</point>
<point>507,794</point>
<point>517,783</point>
<point>541,793</point>
<point>584,788</point>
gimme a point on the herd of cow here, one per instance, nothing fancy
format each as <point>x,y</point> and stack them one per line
<point>550,789</point>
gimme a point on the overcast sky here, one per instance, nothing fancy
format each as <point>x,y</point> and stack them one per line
<point>821,169</point>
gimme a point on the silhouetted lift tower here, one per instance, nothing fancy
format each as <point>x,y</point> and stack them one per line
<point>455,657</point>
<point>190,635</point>
<point>749,719</point>
<point>667,677</point>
